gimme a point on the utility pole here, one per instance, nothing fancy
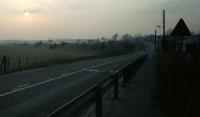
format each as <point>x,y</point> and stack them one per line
<point>155,41</point>
<point>164,36</point>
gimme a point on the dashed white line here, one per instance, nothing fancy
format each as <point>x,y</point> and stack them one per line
<point>22,85</point>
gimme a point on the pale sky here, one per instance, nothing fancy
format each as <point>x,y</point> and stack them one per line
<point>41,19</point>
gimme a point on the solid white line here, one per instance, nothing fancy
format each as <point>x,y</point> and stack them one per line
<point>43,82</point>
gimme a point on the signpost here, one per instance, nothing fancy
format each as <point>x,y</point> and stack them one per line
<point>180,31</point>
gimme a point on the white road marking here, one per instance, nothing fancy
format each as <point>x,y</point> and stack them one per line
<point>94,70</point>
<point>22,85</point>
<point>55,78</point>
<point>113,71</point>
<point>99,65</point>
<point>63,74</point>
<point>101,71</point>
<point>43,82</point>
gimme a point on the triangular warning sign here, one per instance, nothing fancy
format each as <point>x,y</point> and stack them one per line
<point>181,29</point>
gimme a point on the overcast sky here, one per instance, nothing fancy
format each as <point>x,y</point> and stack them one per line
<point>41,19</point>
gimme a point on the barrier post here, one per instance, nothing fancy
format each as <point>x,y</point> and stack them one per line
<point>116,87</point>
<point>99,105</point>
<point>124,75</point>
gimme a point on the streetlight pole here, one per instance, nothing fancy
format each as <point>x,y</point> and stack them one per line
<point>155,41</point>
<point>164,37</point>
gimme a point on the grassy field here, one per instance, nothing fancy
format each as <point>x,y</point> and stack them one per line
<point>31,56</point>
<point>26,56</point>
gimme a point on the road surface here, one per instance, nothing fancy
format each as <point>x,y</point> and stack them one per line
<point>38,92</point>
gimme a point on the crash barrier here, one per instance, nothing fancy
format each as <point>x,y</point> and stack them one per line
<point>95,93</point>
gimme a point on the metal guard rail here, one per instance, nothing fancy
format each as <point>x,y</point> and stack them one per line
<point>96,91</point>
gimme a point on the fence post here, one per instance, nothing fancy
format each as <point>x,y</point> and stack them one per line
<point>4,63</point>
<point>1,64</point>
<point>8,64</point>
<point>133,69</point>
<point>116,87</point>
<point>99,105</point>
<point>27,61</point>
<point>19,64</point>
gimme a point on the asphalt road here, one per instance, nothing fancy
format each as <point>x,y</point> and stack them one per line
<point>38,92</point>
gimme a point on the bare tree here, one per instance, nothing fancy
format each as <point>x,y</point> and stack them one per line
<point>115,36</point>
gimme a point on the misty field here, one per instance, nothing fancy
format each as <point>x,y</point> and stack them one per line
<point>39,56</point>
<point>25,56</point>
